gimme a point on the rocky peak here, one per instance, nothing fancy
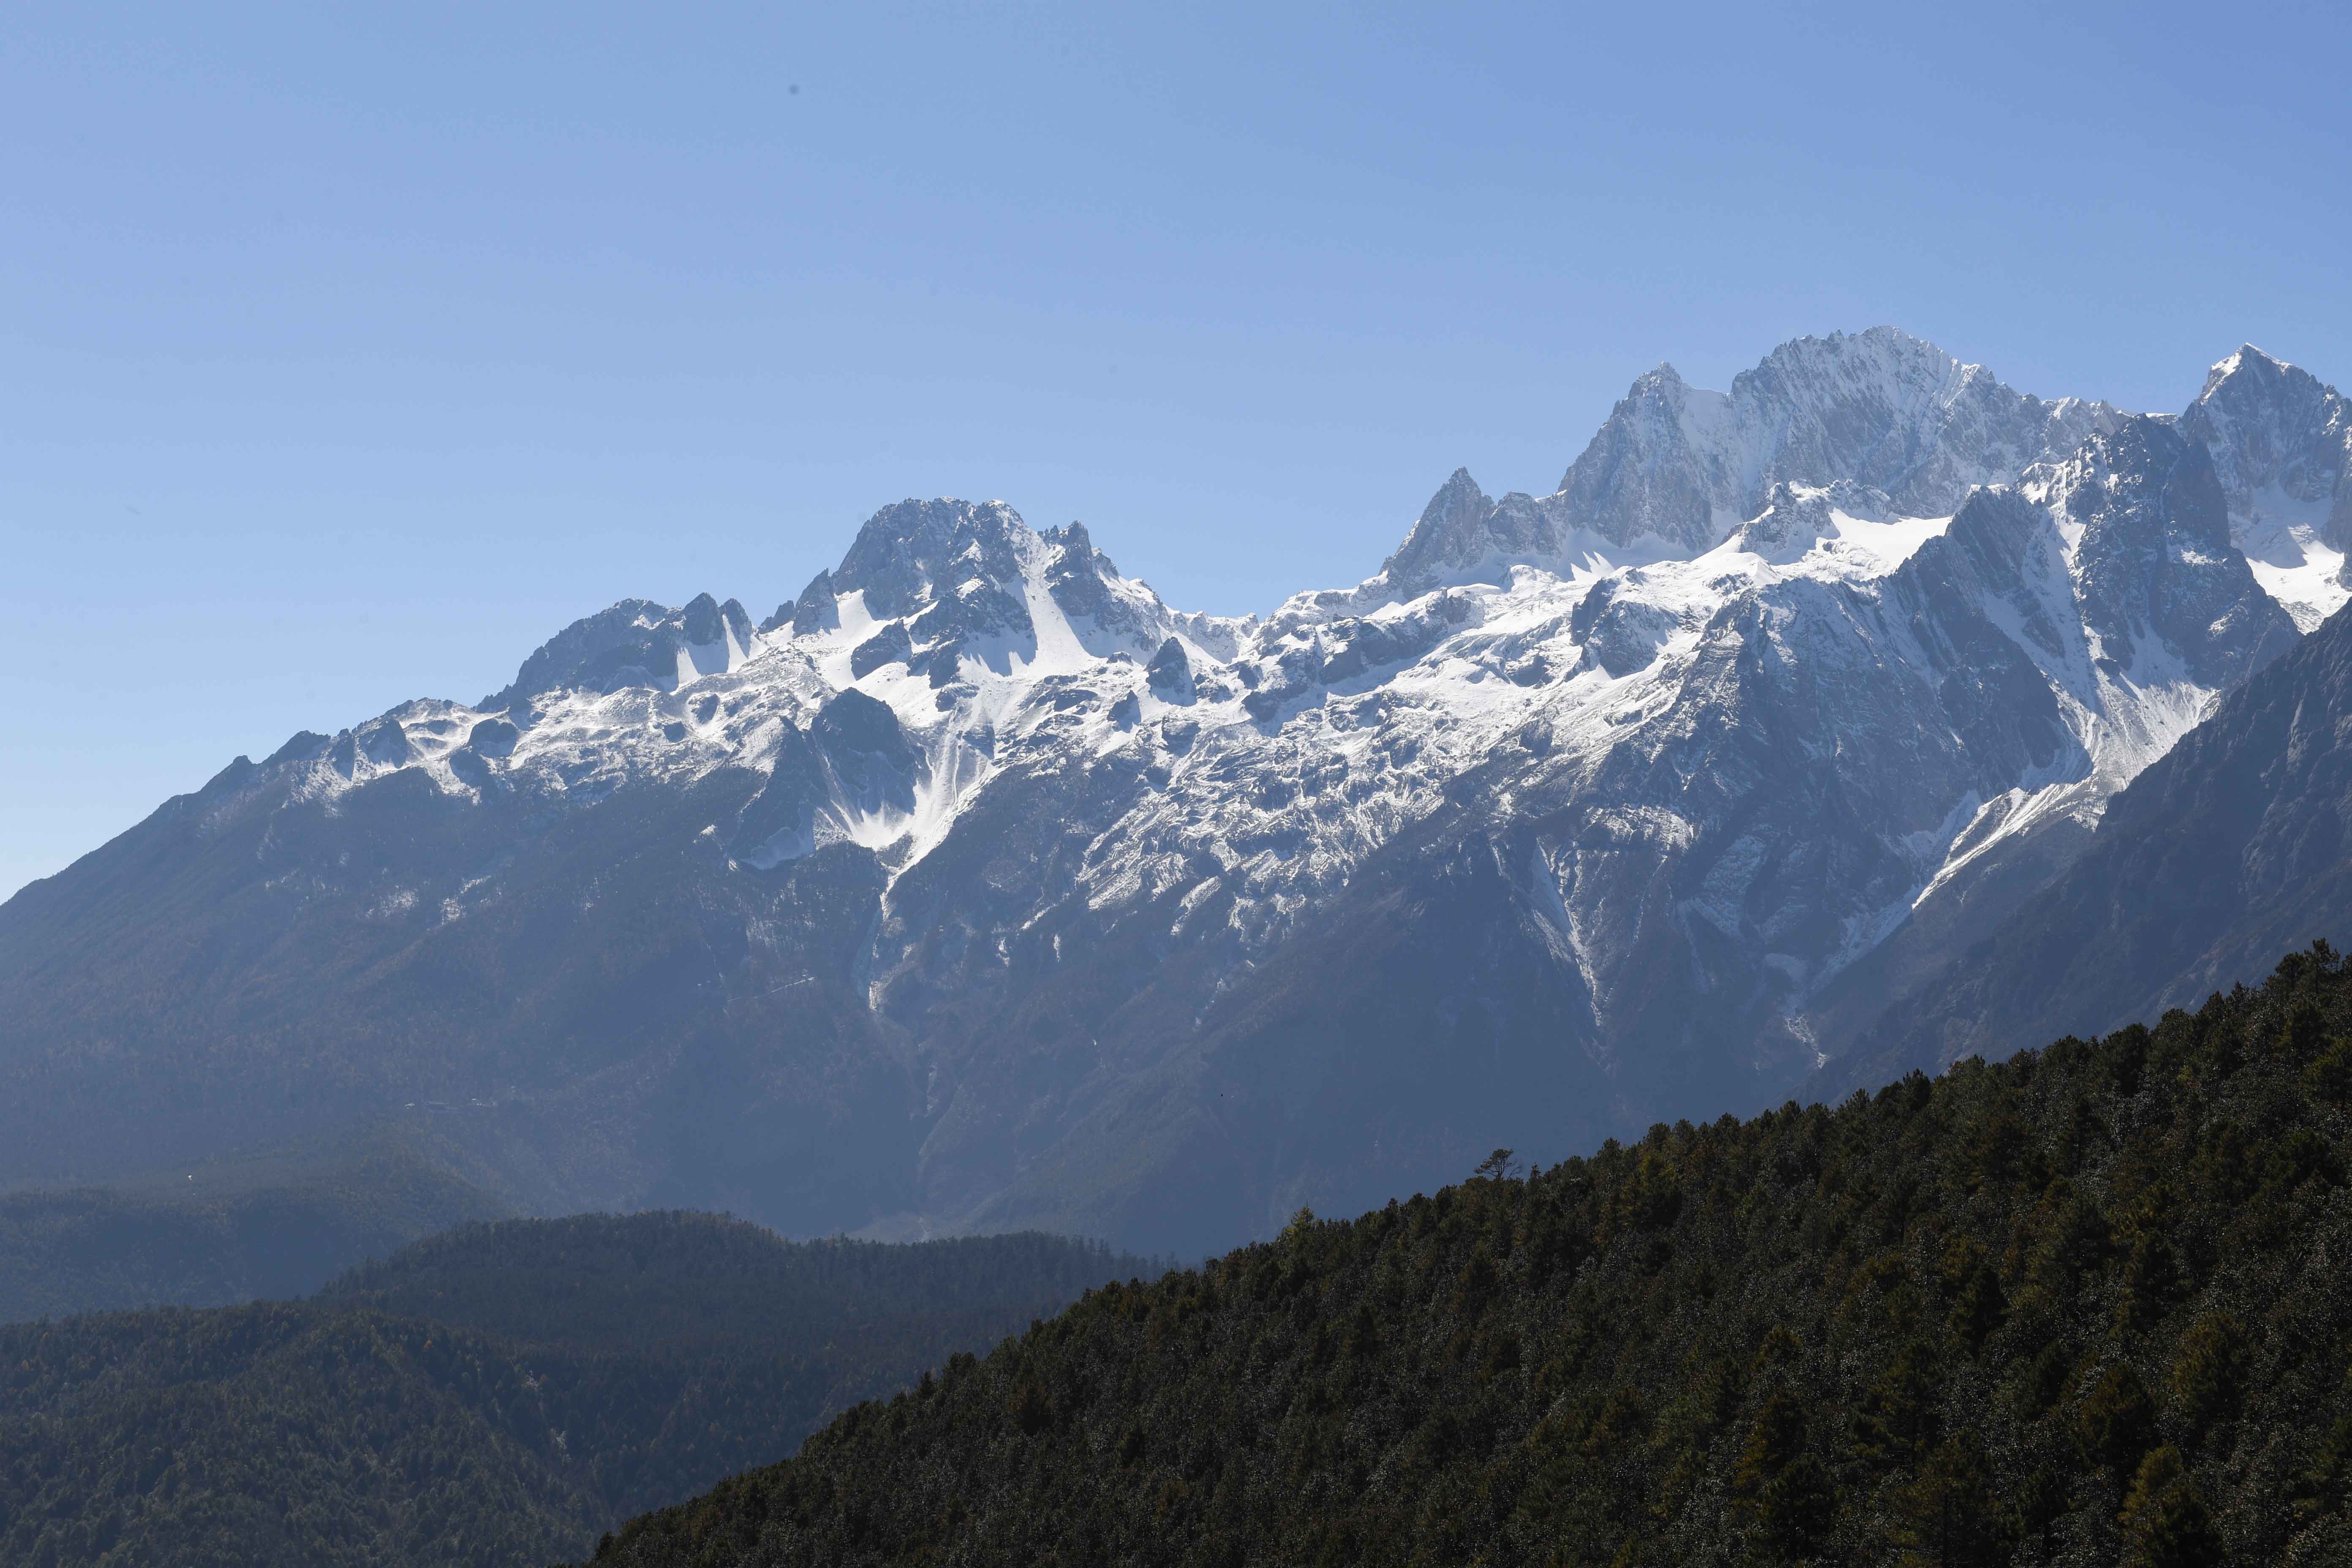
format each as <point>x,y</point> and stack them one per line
<point>2281,440</point>
<point>1451,532</point>
<point>709,624</point>
<point>816,610</point>
<point>1994,531</point>
<point>1074,544</point>
<point>1880,408</point>
<point>1169,673</point>
<point>1655,468</point>
<point>603,652</point>
<point>1076,573</point>
<point>636,643</point>
<point>910,553</point>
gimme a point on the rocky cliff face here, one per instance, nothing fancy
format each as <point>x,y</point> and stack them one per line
<point>977,887</point>
<point>2281,442</point>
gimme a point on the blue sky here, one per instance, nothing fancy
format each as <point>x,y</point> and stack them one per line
<point>347,357</point>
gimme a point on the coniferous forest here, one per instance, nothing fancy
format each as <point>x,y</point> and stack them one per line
<point>2086,1306</point>
<point>496,1395</point>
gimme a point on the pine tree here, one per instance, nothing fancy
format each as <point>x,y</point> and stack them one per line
<point>1948,1519</point>
<point>2116,1421</point>
<point>1781,1486</point>
<point>2166,1521</point>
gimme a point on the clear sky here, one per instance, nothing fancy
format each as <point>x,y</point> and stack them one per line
<point>350,355</point>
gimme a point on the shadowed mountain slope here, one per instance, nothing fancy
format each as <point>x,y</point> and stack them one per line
<point>2234,844</point>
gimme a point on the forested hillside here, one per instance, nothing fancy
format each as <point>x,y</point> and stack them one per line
<point>495,1396</point>
<point>2086,1306</point>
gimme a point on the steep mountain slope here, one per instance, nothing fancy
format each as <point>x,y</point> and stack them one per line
<point>497,1396</point>
<point>2080,1307</point>
<point>976,887</point>
<point>2234,842</point>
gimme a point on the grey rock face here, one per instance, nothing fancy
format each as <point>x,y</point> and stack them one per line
<point>2281,441</point>
<point>708,623</point>
<point>891,645</point>
<point>1620,634</point>
<point>906,553</point>
<point>1171,674</point>
<point>869,750</point>
<point>619,647</point>
<point>815,611</point>
<point>1879,409</point>
<point>1655,469</point>
<point>2156,558</point>
<point>1454,532</point>
<point>636,642</point>
<point>493,738</point>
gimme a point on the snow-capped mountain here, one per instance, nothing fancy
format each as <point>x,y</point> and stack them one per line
<point>977,887</point>
<point>2282,447</point>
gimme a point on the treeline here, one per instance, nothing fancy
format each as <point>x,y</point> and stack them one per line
<point>682,1280</point>
<point>2088,1306</point>
<point>496,1395</point>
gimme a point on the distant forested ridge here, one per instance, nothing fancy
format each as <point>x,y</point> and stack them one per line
<point>2087,1306</point>
<point>272,1224</point>
<point>494,1396</point>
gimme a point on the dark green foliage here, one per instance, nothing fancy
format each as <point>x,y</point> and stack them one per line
<point>1949,1518</point>
<point>493,1396</point>
<point>2166,1522</point>
<point>1982,1306</point>
<point>2080,1308</point>
<point>2207,1370</point>
<point>2114,1421</point>
<point>1781,1484</point>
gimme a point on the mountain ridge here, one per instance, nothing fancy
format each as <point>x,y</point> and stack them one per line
<point>975,884</point>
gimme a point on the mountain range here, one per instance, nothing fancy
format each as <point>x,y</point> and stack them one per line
<point>976,889</point>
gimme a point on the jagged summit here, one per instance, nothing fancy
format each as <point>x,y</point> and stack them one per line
<point>2281,441</point>
<point>1676,469</point>
<point>1879,408</point>
<point>2249,360</point>
<point>907,554</point>
<point>636,642</point>
<point>1458,528</point>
